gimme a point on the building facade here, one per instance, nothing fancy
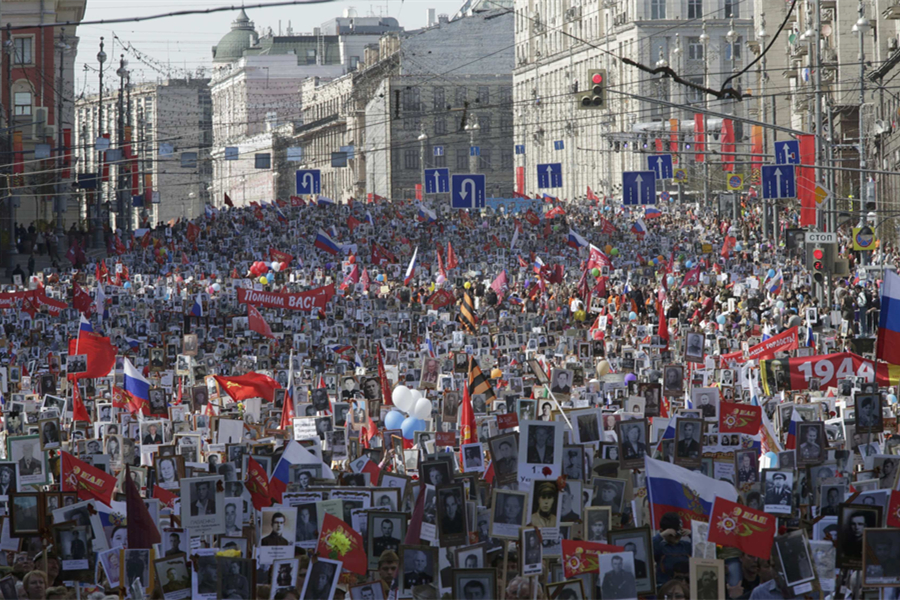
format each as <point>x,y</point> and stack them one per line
<point>38,110</point>
<point>166,129</point>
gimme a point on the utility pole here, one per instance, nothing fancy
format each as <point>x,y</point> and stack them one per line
<point>472,128</point>
<point>862,27</point>
<point>816,44</point>
<point>11,248</point>
<point>61,200</point>
<point>762,35</point>
<point>704,41</point>
<point>678,62</point>
<point>423,141</point>
<point>98,229</point>
<point>122,216</point>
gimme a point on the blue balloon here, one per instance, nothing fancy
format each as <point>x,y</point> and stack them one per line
<point>720,319</point>
<point>688,264</point>
<point>670,280</point>
<point>771,273</point>
<point>410,426</point>
<point>738,247</point>
<point>632,316</point>
<point>773,460</point>
<point>127,285</point>
<point>393,420</point>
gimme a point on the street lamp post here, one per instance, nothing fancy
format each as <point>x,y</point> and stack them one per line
<point>678,58</point>
<point>98,230</point>
<point>704,41</point>
<point>861,27</point>
<point>472,128</point>
<point>11,248</point>
<point>122,220</point>
<point>762,35</point>
<point>423,141</point>
<point>60,151</point>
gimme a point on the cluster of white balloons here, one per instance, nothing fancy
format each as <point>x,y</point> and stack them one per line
<point>412,402</point>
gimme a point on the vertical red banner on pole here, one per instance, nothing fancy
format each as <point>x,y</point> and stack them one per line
<point>756,140</point>
<point>419,191</point>
<point>699,137</point>
<point>727,145</point>
<point>520,180</point>
<point>806,180</point>
<point>659,145</point>
<point>673,136</point>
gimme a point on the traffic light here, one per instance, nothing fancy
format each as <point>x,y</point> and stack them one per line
<point>818,264</point>
<point>595,97</point>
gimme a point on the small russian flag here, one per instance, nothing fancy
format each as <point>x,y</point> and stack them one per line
<point>430,346</point>
<point>427,216</point>
<point>792,431</point>
<point>133,343</point>
<point>357,360</point>
<point>197,309</point>
<point>651,212</point>
<point>549,198</point>
<point>324,242</point>
<point>339,349</point>
<point>639,227</point>
<point>538,264</point>
<point>775,283</point>
<point>411,269</point>
<point>324,201</point>
<point>136,385</point>
<point>369,219</point>
<point>576,241</point>
<point>85,325</point>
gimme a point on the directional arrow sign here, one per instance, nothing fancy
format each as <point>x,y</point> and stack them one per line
<point>437,181</point>
<point>778,181</point>
<point>787,153</point>
<point>638,187</point>
<point>550,175</point>
<point>309,181</point>
<point>661,165</point>
<point>467,191</point>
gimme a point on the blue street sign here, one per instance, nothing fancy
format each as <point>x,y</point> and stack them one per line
<point>438,150</point>
<point>520,148</point>
<point>778,181</point>
<point>559,145</point>
<point>638,187</point>
<point>467,191</point>
<point>661,164</point>
<point>309,181</point>
<point>474,150</point>
<point>437,181</point>
<point>787,153</point>
<point>550,175</point>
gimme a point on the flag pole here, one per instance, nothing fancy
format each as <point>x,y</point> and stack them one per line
<point>559,408</point>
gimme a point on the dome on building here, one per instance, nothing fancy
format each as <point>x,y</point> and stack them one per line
<point>241,37</point>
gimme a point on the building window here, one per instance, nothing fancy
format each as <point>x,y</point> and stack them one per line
<point>310,57</point>
<point>695,9</point>
<point>695,49</point>
<point>694,96</point>
<point>734,48</point>
<point>657,9</point>
<point>506,124</point>
<point>484,123</point>
<point>440,126</point>
<point>732,9</point>
<point>484,160</point>
<point>484,95</point>
<point>410,99</point>
<point>440,162</point>
<point>411,124</point>
<point>460,97</point>
<point>505,95</point>
<point>23,49</point>
<point>506,158</point>
<point>438,102</point>
<point>411,159</point>
<point>462,160</point>
<point>22,104</point>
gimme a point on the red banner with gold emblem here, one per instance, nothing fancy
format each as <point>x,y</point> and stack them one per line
<point>90,482</point>
<point>339,541</point>
<point>748,530</point>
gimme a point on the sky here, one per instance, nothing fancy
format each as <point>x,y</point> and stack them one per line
<point>185,42</point>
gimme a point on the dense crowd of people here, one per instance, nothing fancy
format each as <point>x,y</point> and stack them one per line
<point>378,400</point>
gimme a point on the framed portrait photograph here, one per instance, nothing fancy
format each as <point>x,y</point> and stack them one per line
<point>561,382</point>
<point>450,406</point>
<point>321,580</point>
<point>31,461</point>
<point>633,436</point>
<point>538,371</point>
<point>540,452</point>
<point>431,371</point>
<point>169,471</point>
<point>881,548</point>
<point>472,458</point>
<point>573,462</point>
<point>278,533</point>
<point>586,424</point>
<point>853,520</point>
<point>73,545</point>
<point>25,514</point>
<point>639,542</point>
<point>597,521</point>
<point>812,448</point>
<point>504,455</point>
<point>203,504</point>
<point>419,566</point>
<point>474,584</point>
<point>706,400</point>
<point>435,472</point>
<point>545,503</point>
<point>531,559</point>
<point>617,581</point>
<point>609,492</point>
<point>451,511</point>
<point>384,531</point>
<point>746,465</point>
<point>173,576</point>
<point>368,591</point>
<point>869,418</point>
<point>236,577</point>
<point>508,513</point>
<point>778,491</point>
<point>707,578</point>
<point>50,438</point>
<point>673,380</point>
<point>796,559</point>
<point>688,443</point>
<point>651,393</point>
<point>471,557</point>
<point>693,348</point>
<point>570,589</point>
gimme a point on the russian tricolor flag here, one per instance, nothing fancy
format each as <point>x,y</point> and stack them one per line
<point>369,219</point>
<point>792,431</point>
<point>325,201</point>
<point>136,385</point>
<point>888,347</point>
<point>411,269</point>
<point>538,264</point>
<point>294,454</point>
<point>324,242</point>
<point>133,343</point>
<point>651,212</point>
<point>85,325</point>
<point>430,346</point>
<point>639,227</point>
<point>197,309</point>
<point>576,241</point>
<point>427,216</point>
<point>775,283</point>
<point>549,198</point>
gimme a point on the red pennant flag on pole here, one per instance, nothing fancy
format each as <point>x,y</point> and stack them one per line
<point>79,412</point>
<point>90,482</point>
<point>736,526</point>
<point>386,398</point>
<point>258,323</point>
<point>142,531</point>
<point>258,485</point>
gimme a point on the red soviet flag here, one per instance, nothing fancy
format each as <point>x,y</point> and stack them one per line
<point>258,323</point>
<point>748,530</point>
<point>82,301</point>
<point>251,385</point>
<point>90,482</point>
<point>893,513</point>
<point>258,485</point>
<point>739,418</point>
<point>101,354</point>
<point>339,541</point>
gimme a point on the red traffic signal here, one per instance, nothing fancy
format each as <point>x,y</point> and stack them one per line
<point>597,78</point>
<point>818,254</point>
